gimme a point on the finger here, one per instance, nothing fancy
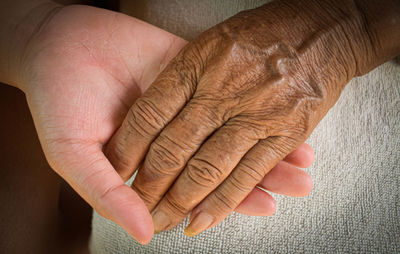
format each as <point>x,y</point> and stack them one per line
<point>172,149</point>
<point>150,114</point>
<point>302,157</point>
<point>203,173</point>
<point>287,179</point>
<point>284,179</point>
<point>247,174</point>
<point>257,203</point>
<point>89,172</point>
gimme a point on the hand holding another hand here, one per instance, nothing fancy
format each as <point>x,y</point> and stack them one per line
<point>231,105</point>
<point>81,71</point>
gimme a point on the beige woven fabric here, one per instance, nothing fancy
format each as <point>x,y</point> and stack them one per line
<point>355,203</point>
<point>186,18</point>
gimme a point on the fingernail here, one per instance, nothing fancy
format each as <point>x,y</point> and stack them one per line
<point>161,221</point>
<point>200,223</point>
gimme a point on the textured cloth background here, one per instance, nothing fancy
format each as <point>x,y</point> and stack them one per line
<point>355,203</point>
<point>186,18</point>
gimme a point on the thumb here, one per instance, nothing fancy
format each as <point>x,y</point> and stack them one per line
<point>88,171</point>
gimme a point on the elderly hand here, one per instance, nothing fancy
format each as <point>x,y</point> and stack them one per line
<point>236,101</point>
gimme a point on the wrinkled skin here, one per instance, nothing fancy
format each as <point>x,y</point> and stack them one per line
<point>81,72</point>
<point>233,103</point>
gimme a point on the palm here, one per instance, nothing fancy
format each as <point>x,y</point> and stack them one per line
<point>89,66</point>
<point>92,73</point>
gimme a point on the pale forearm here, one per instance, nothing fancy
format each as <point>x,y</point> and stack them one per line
<point>20,20</point>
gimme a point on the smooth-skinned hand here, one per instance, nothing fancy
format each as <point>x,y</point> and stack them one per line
<point>81,73</point>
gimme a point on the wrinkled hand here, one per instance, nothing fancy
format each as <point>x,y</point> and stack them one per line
<point>82,72</point>
<point>228,108</point>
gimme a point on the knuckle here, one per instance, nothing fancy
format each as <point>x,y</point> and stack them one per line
<point>223,202</point>
<point>181,73</point>
<point>98,203</point>
<point>175,204</point>
<point>108,192</point>
<point>204,112</point>
<point>204,173</point>
<point>251,125</point>
<point>241,184</point>
<point>280,146</point>
<point>163,159</point>
<point>195,57</point>
<point>250,172</point>
<point>145,117</point>
<point>146,194</point>
<point>117,154</point>
<point>214,114</point>
<point>132,125</point>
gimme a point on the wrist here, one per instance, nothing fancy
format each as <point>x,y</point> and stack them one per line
<point>313,39</point>
<point>22,22</point>
<point>381,19</point>
<point>331,40</point>
<point>361,33</point>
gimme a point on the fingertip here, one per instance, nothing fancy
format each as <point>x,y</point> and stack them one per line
<point>100,185</point>
<point>124,207</point>
<point>146,240</point>
<point>257,203</point>
<point>303,185</point>
<point>287,179</point>
<point>140,227</point>
<point>308,156</point>
<point>302,157</point>
<point>143,234</point>
<point>307,185</point>
<point>271,205</point>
